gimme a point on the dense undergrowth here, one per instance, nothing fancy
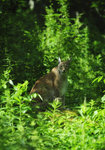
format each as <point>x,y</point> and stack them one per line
<point>24,128</point>
<point>30,45</point>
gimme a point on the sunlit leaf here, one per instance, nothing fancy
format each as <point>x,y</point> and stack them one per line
<point>11,82</point>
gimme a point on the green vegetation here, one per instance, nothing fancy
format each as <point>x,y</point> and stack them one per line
<point>31,40</point>
<point>22,128</point>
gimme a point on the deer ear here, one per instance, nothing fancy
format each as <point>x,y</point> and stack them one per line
<point>59,60</point>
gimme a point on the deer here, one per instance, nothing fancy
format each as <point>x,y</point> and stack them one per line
<point>54,84</point>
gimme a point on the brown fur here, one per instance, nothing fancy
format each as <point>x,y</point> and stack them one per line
<point>53,84</point>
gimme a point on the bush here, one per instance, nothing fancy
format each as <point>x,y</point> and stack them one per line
<point>67,37</point>
<point>23,128</point>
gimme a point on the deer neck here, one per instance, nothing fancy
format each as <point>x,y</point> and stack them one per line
<point>57,73</point>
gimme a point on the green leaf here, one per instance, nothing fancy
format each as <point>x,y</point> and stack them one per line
<point>11,82</point>
<point>103,99</point>
<point>100,78</point>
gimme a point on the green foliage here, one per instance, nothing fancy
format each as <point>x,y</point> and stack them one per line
<point>19,42</point>
<point>52,129</point>
<point>54,39</point>
<point>67,37</point>
<point>29,47</point>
